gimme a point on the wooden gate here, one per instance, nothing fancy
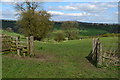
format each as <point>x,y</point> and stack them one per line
<point>102,57</point>
<point>20,45</point>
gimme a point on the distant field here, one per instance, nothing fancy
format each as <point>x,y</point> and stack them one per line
<point>92,32</point>
<point>88,32</point>
<point>57,60</point>
<point>87,29</point>
<point>9,33</point>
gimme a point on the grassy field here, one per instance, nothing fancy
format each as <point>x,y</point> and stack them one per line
<point>10,33</point>
<point>57,60</point>
<point>92,32</point>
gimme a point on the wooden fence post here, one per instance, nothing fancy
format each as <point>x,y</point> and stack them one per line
<point>31,45</point>
<point>28,48</point>
<point>17,45</point>
<point>99,54</point>
<point>93,45</point>
<point>11,44</point>
<point>94,50</point>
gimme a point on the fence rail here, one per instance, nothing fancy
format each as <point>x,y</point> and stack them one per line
<point>22,46</point>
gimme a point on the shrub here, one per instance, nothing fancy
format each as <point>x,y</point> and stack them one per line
<point>60,36</point>
<point>9,29</point>
<point>72,33</point>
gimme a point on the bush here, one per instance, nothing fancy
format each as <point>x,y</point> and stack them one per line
<point>60,36</point>
<point>72,33</point>
<point>9,29</point>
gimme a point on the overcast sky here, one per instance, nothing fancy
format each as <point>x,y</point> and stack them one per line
<point>96,12</point>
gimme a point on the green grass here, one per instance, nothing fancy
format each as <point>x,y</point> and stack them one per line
<point>109,43</point>
<point>92,32</point>
<point>10,33</point>
<point>57,60</point>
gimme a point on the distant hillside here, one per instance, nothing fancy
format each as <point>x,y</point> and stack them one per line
<point>111,28</point>
<point>9,24</point>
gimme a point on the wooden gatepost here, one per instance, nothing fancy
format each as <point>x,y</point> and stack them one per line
<point>96,55</point>
<point>30,45</point>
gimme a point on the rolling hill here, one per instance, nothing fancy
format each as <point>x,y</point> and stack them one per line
<point>87,29</point>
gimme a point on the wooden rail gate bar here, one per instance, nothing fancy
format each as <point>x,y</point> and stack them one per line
<point>23,46</point>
